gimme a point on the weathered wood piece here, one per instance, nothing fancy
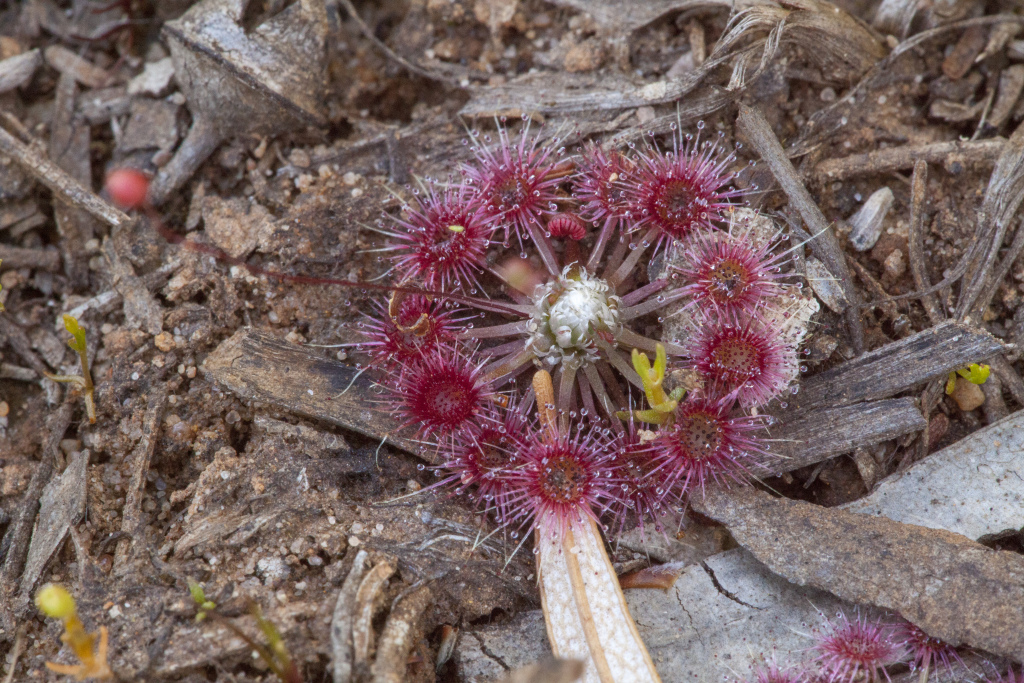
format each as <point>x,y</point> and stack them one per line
<point>61,505</point>
<point>131,514</point>
<point>69,148</point>
<point>260,367</point>
<point>896,367</point>
<point>823,434</point>
<point>953,588</point>
<point>999,209</point>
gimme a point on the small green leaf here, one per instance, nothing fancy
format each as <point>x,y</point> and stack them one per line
<point>76,331</point>
<point>951,383</point>
<point>977,374</point>
<point>198,594</point>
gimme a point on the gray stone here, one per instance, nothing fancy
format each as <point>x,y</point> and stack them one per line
<point>974,487</point>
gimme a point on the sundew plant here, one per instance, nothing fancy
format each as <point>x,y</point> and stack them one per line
<point>533,363</point>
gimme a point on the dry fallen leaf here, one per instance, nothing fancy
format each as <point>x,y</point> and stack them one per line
<point>950,586</point>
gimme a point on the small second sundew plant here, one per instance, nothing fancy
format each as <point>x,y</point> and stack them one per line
<point>91,650</point>
<point>533,366</point>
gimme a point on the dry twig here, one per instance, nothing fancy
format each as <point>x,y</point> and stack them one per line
<point>63,185</point>
<point>131,514</point>
<point>918,196</point>
<point>398,637</point>
<point>1003,197</point>
<point>824,244</point>
<point>949,154</point>
<point>20,530</point>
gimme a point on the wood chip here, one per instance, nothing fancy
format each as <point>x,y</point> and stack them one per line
<point>260,367</point>
<point>61,505</point>
<point>16,71</point>
<point>829,432</point>
<point>83,71</point>
<point>141,309</point>
<point>961,59</point>
<point>897,367</point>
<point>70,139</point>
<point>18,257</point>
<point>1011,84</point>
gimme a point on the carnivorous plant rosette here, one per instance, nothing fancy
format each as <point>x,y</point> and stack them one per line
<point>542,255</point>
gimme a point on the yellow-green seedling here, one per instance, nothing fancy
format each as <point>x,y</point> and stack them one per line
<point>973,373</point>
<point>274,653</point>
<point>203,604</point>
<point>663,405</point>
<point>83,381</point>
<point>54,601</point>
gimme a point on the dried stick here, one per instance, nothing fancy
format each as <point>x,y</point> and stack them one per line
<point>918,195</point>
<point>899,158</point>
<point>341,620</point>
<point>58,181</point>
<point>19,257</point>
<point>20,531</point>
<point>398,637</point>
<point>1003,197</point>
<point>825,244</point>
<point>1000,272</point>
<point>19,341</point>
<point>1009,377</point>
<point>132,512</point>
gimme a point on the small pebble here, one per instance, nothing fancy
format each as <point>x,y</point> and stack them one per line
<point>828,95</point>
<point>968,395</point>
<point>895,264</point>
<point>866,224</point>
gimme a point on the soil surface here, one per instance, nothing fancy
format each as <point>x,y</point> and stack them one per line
<point>188,479</point>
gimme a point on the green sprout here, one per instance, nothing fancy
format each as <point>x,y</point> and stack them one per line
<point>663,406</point>
<point>83,381</point>
<point>199,596</point>
<point>274,654</point>
<point>973,373</point>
